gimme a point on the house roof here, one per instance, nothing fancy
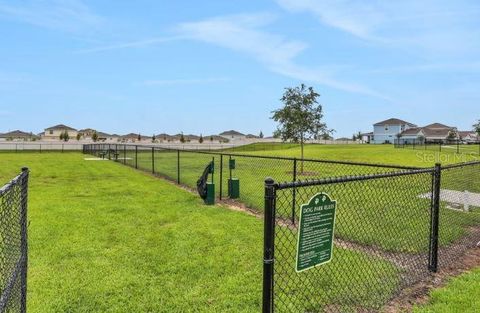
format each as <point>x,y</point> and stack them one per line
<point>467,133</point>
<point>102,134</point>
<point>61,126</point>
<point>411,131</point>
<point>343,139</point>
<point>252,136</point>
<point>231,133</point>
<point>437,126</point>
<point>436,132</point>
<point>18,134</point>
<point>394,121</point>
<point>132,135</point>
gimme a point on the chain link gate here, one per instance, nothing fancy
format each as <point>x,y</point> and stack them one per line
<point>13,244</point>
<point>385,239</point>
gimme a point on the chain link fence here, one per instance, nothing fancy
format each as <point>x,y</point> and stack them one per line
<point>13,244</point>
<point>390,231</point>
<point>450,146</point>
<point>185,167</point>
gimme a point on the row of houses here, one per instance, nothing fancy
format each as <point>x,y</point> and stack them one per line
<point>400,131</point>
<point>64,132</point>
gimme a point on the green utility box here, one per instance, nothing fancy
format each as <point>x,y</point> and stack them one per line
<point>231,164</point>
<point>210,199</point>
<point>234,188</point>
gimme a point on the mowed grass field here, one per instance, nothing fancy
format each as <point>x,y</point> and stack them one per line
<point>459,295</point>
<point>107,238</point>
<point>382,154</point>
<point>382,204</point>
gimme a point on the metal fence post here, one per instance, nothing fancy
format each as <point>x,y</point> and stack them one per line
<point>124,154</point>
<point>136,156</point>
<point>178,166</point>
<point>434,219</point>
<point>268,245</point>
<point>221,176</point>
<point>24,223</point>
<point>153,160</point>
<point>294,190</point>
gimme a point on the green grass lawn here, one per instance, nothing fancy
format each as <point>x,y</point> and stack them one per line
<point>107,238</point>
<point>383,154</point>
<point>382,205</point>
<point>461,294</point>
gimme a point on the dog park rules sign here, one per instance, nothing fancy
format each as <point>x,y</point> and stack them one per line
<point>315,232</point>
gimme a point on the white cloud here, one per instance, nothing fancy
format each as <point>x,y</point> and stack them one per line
<point>169,82</point>
<point>431,25</point>
<point>63,15</point>
<point>243,33</point>
<point>131,44</point>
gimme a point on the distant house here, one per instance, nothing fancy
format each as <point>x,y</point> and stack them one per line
<point>468,136</point>
<point>432,133</point>
<point>164,137</point>
<point>18,135</point>
<point>367,137</point>
<point>389,130</point>
<point>132,137</point>
<point>251,136</point>
<point>86,133</point>
<point>215,138</point>
<point>104,137</point>
<point>54,132</point>
<point>233,135</point>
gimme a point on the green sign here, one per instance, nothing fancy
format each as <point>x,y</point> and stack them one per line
<point>315,232</point>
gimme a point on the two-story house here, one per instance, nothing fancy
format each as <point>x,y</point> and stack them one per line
<point>54,132</point>
<point>387,131</point>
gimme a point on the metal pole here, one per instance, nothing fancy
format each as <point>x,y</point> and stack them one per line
<point>136,156</point>
<point>294,190</point>
<point>153,160</point>
<point>24,238</point>
<point>434,220</point>
<point>221,175</point>
<point>268,245</point>
<point>124,154</point>
<point>109,157</point>
<point>178,166</point>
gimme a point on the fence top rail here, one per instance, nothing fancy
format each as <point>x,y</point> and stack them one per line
<point>345,179</point>
<point>461,164</point>
<point>13,182</point>
<point>401,167</point>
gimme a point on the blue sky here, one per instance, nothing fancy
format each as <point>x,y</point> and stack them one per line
<point>212,65</point>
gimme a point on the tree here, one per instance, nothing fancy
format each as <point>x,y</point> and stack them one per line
<point>79,136</point>
<point>154,138</point>
<point>325,136</point>
<point>359,135</point>
<point>354,137</point>
<point>66,136</point>
<point>95,136</point>
<point>476,128</point>
<point>182,138</point>
<point>452,135</point>
<point>260,135</point>
<point>301,116</point>
<point>139,137</point>
<point>211,138</point>
<point>200,140</point>
<point>62,134</point>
